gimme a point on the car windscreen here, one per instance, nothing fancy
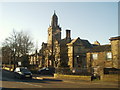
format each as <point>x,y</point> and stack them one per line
<point>24,70</point>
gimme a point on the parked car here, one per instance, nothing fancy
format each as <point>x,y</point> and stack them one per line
<point>22,72</point>
<point>46,71</point>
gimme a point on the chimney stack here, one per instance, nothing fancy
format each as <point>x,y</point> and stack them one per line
<point>68,34</point>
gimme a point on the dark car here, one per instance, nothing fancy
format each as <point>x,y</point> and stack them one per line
<point>22,72</point>
<point>46,71</point>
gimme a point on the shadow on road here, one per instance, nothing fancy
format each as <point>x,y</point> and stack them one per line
<point>11,89</point>
<point>9,76</point>
<point>56,80</point>
<point>45,80</point>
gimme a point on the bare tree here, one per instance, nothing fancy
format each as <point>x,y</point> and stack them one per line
<point>6,55</point>
<point>20,45</point>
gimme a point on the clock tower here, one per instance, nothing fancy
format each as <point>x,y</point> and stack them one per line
<point>54,31</point>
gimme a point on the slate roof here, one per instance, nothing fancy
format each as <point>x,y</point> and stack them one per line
<point>74,40</point>
<point>86,43</point>
<point>64,41</point>
<point>83,42</point>
<point>101,48</point>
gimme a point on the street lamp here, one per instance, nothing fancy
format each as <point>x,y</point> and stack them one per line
<point>14,60</point>
<point>77,58</point>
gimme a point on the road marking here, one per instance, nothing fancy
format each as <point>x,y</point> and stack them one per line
<point>68,81</point>
<point>31,84</point>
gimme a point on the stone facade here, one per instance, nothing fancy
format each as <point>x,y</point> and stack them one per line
<point>115,48</point>
<point>97,58</point>
<point>65,52</point>
<point>77,49</point>
<point>76,53</point>
<point>104,56</point>
<point>35,59</point>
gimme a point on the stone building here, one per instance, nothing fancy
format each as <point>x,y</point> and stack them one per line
<point>76,54</point>
<point>104,57</point>
<point>64,52</point>
<point>35,59</point>
<point>115,49</point>
<point>77,49</point>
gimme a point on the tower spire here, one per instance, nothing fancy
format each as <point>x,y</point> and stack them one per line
<point>54,22</point>
<point>54,12</point>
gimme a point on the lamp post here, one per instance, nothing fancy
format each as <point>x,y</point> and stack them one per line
<point>77,59</point>
<point>14,59</point>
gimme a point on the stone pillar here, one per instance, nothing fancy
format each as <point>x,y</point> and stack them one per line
<point>115,48</point>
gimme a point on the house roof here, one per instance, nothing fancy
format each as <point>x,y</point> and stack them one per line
<point>86,43</point>
<point>64,41</point>
<point>81,42</point>
<point>101,48</point>
<point>74,40</point>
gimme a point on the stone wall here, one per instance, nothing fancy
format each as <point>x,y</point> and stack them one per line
<point>100,62</point>
<point>70,55</point>
<point>115,47</point>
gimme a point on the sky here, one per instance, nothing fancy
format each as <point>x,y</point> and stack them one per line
<point>88,20</point>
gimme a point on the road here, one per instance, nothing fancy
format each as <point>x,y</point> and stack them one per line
<point>8,81</point>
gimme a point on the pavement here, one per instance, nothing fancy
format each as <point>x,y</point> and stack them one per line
<point>52,78</point>
<point>48,81</point>
<point>41,77</point>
